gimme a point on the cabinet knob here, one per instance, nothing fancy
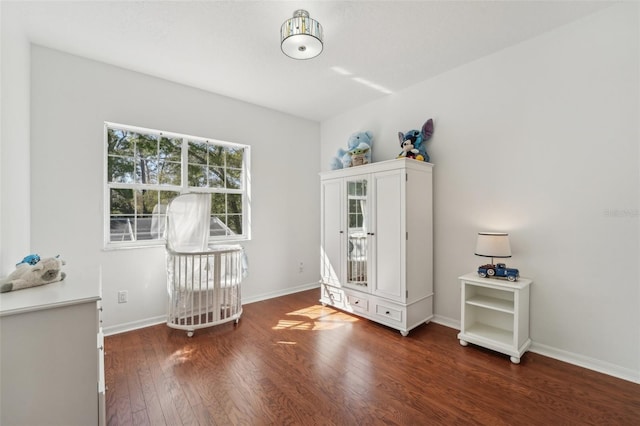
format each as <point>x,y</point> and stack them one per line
<point>342,232</point>
<point>387,312</point>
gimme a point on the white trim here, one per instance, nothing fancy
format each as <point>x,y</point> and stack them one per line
<point>134,325</point>
<point>586,362</point>
<point>148,322</point>
<point>562,355</point>
<point>274,294</point>
<point>170,134</point>
<point>447,322</point>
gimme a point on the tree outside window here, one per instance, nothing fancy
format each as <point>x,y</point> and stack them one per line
<point>146,169</point>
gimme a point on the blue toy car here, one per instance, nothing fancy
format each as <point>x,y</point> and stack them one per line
<point>498,270</point>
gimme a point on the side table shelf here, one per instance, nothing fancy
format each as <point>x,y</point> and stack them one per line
<point>495,314</point>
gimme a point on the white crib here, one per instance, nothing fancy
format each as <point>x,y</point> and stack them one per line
<point>203,283</point>
<point>204,287</point>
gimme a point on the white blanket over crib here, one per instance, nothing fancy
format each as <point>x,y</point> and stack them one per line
<point>203,283</point>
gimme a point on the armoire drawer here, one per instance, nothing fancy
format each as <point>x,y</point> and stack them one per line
<point>358,303</point>
<point>389,313</point>
<point>334,294</point>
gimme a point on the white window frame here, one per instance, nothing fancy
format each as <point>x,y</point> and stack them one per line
<point>181,189</point>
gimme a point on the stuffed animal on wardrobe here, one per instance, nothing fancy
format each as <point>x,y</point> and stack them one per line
<point>413,142</point>
<point>358,151</point>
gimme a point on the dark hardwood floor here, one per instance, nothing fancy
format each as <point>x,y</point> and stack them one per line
<point>292,361</point>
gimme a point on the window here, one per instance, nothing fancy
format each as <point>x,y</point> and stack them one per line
<point>145,169</point>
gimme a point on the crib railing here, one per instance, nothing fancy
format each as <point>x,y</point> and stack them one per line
<point>204,287</point>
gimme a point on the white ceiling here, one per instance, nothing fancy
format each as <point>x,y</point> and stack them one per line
<point>372,48</point>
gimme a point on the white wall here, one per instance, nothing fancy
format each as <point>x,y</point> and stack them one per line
<point>71,97</point>
<point>540,140</point>
<point>14,146</point>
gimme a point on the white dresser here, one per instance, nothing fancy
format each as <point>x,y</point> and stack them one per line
<point>51,354</point>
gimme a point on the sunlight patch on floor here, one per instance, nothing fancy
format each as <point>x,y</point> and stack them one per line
<point>180,356</point>
<point>316,317</point>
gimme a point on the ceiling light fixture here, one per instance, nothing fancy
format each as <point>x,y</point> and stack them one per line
<point>301,36</point>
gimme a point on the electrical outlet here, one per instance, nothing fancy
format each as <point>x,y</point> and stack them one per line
<point>301,267</point>
<point>123,296</point>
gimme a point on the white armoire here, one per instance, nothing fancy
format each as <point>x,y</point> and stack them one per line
<point>377,242</point>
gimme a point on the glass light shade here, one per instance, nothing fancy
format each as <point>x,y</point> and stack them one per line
<point>301,36</point>
<point>493,244</point>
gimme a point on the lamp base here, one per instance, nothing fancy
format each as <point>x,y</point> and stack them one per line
<point>498,270</point>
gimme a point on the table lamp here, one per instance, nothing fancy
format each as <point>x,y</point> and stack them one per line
<point>495,244</point>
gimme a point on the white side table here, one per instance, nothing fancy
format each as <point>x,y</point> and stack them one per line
<point>495,314</point>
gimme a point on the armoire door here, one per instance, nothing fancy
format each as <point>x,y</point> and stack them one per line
<point>331,232</point>
<point>388,235</point>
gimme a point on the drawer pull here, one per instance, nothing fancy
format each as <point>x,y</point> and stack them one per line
<point>387,312</point>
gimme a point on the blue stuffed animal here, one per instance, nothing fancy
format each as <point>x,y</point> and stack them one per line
<point>31,259</point>
<point>358,151</point>
<point>413,142</point>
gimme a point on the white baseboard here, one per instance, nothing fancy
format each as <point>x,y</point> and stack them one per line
<point>122,328</point>
<point>586,362</point>
<point>565,356</point>
<point>290,290</point>
<point>446,321</point>
<point>134,325</point>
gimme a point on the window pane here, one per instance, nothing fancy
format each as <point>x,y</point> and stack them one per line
<point>234,179</point>
<point>147,170</point>
<point>234,222</point>
<point>169,173</point>
<point>159,212</point>
<point>121,201</point>
<point>146,158</point>
<point>170,149</point>
<point>218,227</point>
<point>119,142</point>
<point>120,169</point>
<point>147,145</point>
<point>234,203</point>
<point>122,214</point>
<point>234,157</point>
<point>198,152</point>
<point>120,228</point>
<point>216,155</point>
<point>218,204</point>
<point>216,177</point>
<point>143,228</point>
<point>197,175</point>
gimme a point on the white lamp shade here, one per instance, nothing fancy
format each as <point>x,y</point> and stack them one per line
<point>493,244</point>
<point>301,36</point>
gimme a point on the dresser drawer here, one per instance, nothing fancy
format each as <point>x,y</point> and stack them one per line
<point>358,303</point>
<point>389,312</point>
